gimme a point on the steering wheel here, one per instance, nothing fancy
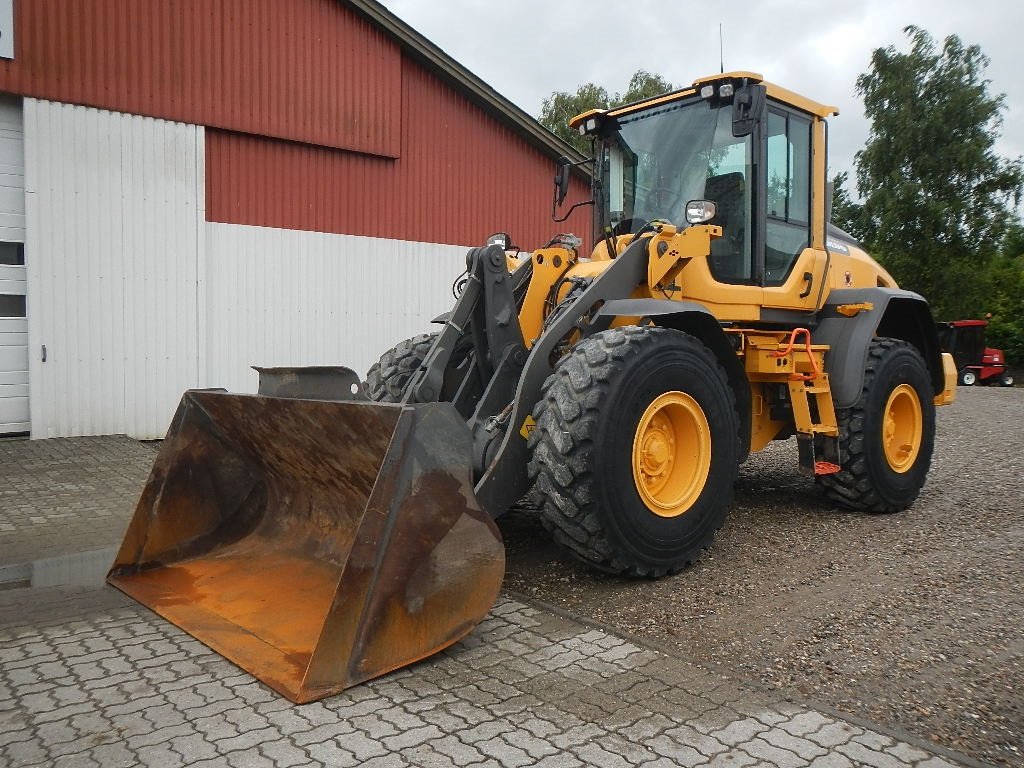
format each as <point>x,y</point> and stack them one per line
<point>629,226</point>
<point>662,201</point>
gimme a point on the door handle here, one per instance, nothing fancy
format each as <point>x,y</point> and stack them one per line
<point>44,353</point>
<point>809,279</point>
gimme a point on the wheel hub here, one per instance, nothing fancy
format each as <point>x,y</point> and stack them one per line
<point>902,428</point>
<point>671,454</point>
<point>658,446</point>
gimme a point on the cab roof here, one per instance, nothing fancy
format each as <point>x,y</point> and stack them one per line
<point>776,92</point>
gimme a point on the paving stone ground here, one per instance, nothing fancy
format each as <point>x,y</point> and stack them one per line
<point>67,495</point>
<point>90,678</point>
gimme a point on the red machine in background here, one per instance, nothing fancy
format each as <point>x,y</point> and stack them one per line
<point>976,363</point>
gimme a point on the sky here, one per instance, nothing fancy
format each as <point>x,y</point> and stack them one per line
<point>527,49</point>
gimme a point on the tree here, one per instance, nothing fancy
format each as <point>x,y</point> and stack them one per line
<point>642,85</point>
<point>1006,305</point>
<point>847,214</point>
<point>561,106</point>
<point>937,200</point>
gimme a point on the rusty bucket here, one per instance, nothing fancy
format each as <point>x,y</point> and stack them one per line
<point>315,544</point>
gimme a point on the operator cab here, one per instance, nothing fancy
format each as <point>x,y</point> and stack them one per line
<point>666,158</point>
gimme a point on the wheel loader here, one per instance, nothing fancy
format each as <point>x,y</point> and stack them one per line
<point>328,530</point>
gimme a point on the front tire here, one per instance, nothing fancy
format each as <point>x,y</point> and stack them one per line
<point>886,439</point>
<point>386,379</point>
<point>636,450</point>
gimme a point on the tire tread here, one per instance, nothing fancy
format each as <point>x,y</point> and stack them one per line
<point>562,444</point>
<point>386,379</point>
<point>853,487</point>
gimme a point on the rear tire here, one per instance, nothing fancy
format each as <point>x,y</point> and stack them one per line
<point>968,377</point>
<point>886,439</point>
<point>636,450</point>
<point>386,379</point>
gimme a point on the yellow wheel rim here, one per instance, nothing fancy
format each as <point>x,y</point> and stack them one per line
<point>902,428</point>
<point>671,454</point>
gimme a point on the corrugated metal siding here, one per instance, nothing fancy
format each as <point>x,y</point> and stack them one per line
<point>303,70</point>
<point>13,324</point>
<point>113,245</point>
<point>12,171</point>
<point>461,176</point>
<point>13,371</point>
<point>280,297</point>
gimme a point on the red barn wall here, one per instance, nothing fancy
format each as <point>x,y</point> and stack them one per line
<point>304,70</point>
<point>316,119</point>
<point>460,176</point>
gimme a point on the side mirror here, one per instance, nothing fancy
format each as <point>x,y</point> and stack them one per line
<point>747,108</point>
<point>562,179</point>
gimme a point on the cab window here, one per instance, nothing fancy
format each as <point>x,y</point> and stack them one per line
<point>727,184</point>
<point>787,231</point>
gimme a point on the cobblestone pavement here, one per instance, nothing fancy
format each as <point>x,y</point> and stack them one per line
<point>67,495</point>
<point>90,678</point>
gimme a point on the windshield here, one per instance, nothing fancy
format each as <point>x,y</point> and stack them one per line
<point>660,159</point>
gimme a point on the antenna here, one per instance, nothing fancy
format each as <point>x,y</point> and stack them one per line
<point>721,50</point>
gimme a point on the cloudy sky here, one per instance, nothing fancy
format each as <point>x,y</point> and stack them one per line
<point>529,48</point>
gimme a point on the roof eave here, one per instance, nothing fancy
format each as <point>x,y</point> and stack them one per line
<point>479,92</point>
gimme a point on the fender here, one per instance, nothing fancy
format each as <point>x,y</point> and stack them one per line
<point>894,313</point>
<point>696,320</point>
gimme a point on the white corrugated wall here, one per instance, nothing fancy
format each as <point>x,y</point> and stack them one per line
<point>14,389</point>
<point>114,242</point>
<point>12,170</point>
<point>136,297</point>
<point>284,297</point>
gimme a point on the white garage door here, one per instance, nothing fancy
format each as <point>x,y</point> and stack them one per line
<point>13,316</point>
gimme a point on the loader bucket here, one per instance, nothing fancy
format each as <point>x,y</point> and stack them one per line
<point>315,544</point>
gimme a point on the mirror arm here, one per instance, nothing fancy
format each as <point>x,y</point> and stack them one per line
<point>562,187</point>
<point>562,176</point>
<point>568,213</point>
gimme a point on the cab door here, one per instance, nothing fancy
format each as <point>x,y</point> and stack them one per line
<point>793,267</point>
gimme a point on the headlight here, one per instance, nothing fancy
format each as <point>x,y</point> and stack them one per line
<point>699,211</point>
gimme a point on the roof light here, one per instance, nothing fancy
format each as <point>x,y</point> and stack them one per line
<point>707,91</point>
<point>589,126</point>
<point>502,239</point>
<point>726,90</point>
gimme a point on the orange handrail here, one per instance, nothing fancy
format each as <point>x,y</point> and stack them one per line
<point>810,354</point>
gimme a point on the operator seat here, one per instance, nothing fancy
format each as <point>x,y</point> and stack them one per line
<point>728,260</point>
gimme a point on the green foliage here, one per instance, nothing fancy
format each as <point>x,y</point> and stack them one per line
<point>937,200</point>
<point>562,106</point>
<point>642,85</point>
<point>1006,326</point>
<point>847,214</point>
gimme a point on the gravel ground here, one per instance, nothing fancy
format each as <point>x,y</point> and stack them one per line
<point>914,620</point>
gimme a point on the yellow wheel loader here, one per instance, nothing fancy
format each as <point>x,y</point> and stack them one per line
<point>328,530</point>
